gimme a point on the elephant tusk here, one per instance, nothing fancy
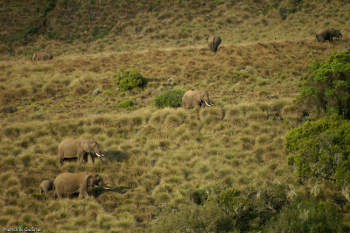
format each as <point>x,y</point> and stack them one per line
<point>207,103</point>
<point>100,155</point>
<point>107,188</point>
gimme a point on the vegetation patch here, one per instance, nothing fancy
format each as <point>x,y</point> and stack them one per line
<point>129,79</point>
<point>327,87</point>
<point>126,104</point>
<point>320,149</point>
<point>308,215</point>
<point>170,98</point>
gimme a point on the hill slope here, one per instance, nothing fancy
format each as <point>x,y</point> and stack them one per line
<point>74,26</point>
<point>155,157</point>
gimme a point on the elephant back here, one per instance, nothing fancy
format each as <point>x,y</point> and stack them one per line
<point>68,183</point>
<point>69,147</point>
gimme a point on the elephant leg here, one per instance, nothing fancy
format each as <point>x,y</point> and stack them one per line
<point>59,195</point>
<point>60,161</point>
<point>83,194</point>
<point>80,158</point>
<point>90,159</point>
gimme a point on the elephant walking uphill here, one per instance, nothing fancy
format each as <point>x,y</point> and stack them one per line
<point>67,183</point>
<point>76,148</point>
<point>213,43</point>
<point>194,98</point>
<point>328,34</point>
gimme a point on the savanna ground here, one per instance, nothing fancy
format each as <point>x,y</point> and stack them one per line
<point>157,156</point>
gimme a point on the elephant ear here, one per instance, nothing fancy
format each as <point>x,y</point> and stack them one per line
<point>91,144</point>
<point>88,181</point>
<point>98,179</point>
<point>83,144</point>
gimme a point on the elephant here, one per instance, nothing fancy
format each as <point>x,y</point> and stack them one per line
<point>41,56</point>
<point>328,34</point>
<point>46,186</point>
<point>68,183</point>
<point>193,98</point>
<point>213,43</point>
<point>337,34</point>
<point>76,148</point>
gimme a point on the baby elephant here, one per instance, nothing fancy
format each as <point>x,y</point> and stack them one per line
<point>328,34</point>
<point>46,186</point>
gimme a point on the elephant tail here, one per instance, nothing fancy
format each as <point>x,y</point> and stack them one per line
<point>60,160</point>
<point>60,156</point>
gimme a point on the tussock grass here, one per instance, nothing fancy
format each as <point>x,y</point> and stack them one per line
<point>160,156</point>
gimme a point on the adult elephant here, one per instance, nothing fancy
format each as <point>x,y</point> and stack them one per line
<point>41,56</point>
<point>76,148</point>
<point>194,98</point>
<point>68,183</point>
<point>213,43</point>
<point>328,34</point>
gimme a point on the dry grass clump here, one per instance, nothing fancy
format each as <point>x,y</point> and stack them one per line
<point>82,86</point>
<point>176,119</point>
<point>55,86</point>
<point>212,115</point>
<point>168,116</point>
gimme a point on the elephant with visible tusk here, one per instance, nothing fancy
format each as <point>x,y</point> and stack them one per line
<point>41,56</point>
<point>67,183</point>
<point>328,34</point>
<point>194,98</point>
<point>76,148</point>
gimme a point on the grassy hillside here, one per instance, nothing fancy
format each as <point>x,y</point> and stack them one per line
<point>104,25</point>
<point>155,157</point>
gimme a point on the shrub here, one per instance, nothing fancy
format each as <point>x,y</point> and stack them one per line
<point>170,98</point>
<point>126,104</point>
<point>129,79</point>
<point>230,210</point>
<point>251,209</point>
<point>321,149</point>
<point>199,196</point>
<point>194,218</point>
<point>99,33</point>
<point>307,215</point>
<point>327,87</point>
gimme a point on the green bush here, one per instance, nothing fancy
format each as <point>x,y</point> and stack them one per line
<point>199,196</point>
<point>126,104</point>
<point>320,149</point>
<point>129,79</point>
<point>99,33</point>
<point>251,209</point>
<point>228,210</point>
<point>307,215</point>
<point>194,218</point>
<point>327,87</point>
<point>170,98</point>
